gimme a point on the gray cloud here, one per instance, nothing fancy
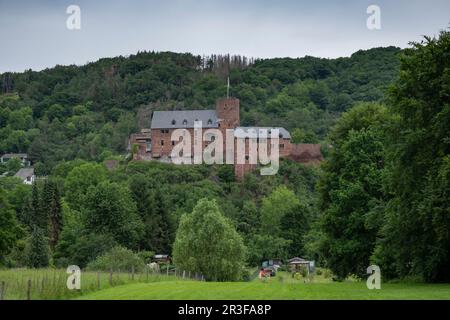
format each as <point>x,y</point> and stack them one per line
<point>35,35</point>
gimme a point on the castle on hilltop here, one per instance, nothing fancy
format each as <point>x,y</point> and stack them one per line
<point>155,142</point>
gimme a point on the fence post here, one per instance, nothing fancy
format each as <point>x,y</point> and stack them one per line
<point>184,272</point>
<point>189,276</point>
<point>2,291</point>
<point>132,272</point>
<point>167,270</point>
<point>98,280</point>
<point>146,272</point>
<point>29,290</point>
<point>203,279</point>
<point>110,277</point>
<point>42,285</point>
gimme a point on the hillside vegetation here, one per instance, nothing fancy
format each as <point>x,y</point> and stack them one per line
<point>87,112</point>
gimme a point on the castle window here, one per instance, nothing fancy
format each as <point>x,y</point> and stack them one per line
<point>184,122</point>
<point>162,142</point>
<point>173,122</point>
<point>281,146</point>
<point>246,157</point>
<point>173,143</point>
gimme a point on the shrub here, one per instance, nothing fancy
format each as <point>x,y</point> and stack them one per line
<point>304,272</point>
<point>146,256</point>
<point>117,259</point>
<point>327,273</point>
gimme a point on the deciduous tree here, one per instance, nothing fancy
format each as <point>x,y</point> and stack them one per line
<point>207,243</point>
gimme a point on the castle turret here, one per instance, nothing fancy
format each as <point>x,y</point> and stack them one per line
<point>228,113</point>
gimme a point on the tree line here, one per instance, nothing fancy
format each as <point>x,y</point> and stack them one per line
<point>384,196</point>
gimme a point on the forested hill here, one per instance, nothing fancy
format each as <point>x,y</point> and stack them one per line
<point>88,111</point>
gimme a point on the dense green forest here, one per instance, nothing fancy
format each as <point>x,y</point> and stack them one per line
<point>87,112</point>
<point>382,195</point>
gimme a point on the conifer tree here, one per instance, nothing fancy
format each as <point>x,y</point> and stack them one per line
<point>52,206</point>
<point>37,253</point>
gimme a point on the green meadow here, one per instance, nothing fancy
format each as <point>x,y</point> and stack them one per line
<point>50,284</point>
<point>274,289</point>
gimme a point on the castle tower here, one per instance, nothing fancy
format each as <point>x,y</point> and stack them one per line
<point>228,113</point>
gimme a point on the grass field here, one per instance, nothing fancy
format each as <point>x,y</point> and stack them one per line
<point>51,284</point>
<point>277,288</point>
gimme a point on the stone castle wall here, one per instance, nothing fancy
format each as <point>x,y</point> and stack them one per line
<point>228,114</point>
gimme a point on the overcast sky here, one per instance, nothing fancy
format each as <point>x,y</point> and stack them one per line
<point>35,35</point>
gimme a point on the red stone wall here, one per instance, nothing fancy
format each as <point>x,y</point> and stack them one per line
<point>158,149</point>
<point>165,150</point>
<point>284,149</point>
<point>228,110</point>
<point>140,139</point>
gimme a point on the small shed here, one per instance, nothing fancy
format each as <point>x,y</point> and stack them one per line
<point>161,258</point>
<point>297,263</point>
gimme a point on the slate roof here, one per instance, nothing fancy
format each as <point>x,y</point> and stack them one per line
<point>253,132</point>
<point>297,260</point>
<point>184,119</point>
<point>24,173</point>
<point>14,155</point>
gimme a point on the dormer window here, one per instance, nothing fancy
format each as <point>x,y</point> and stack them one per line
<point>173,122</point>
<point>280,136</point>
<point>184,122</point>
<point>209,122</point>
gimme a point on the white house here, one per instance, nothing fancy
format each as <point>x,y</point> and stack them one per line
<point>26,175</point>
<point>23,157</point>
